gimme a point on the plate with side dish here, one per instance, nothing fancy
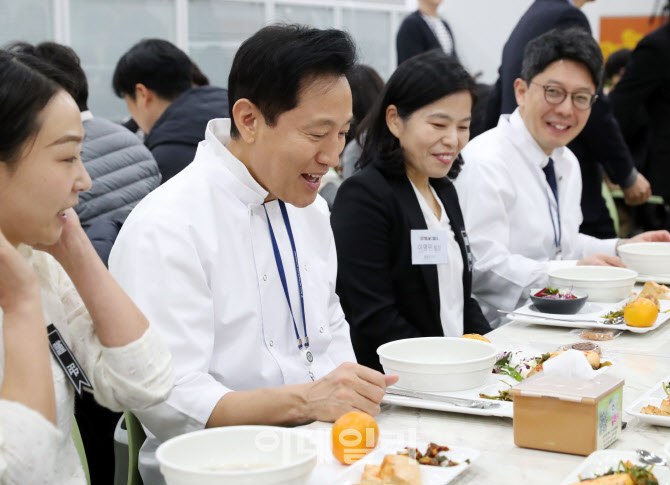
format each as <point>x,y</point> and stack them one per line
<point>653,406</point>
<point>601,462</point>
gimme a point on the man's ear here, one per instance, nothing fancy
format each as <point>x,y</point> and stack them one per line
<point>248,119</point>
<point>520,90</point>
<point>143,95</point>
<point>393,120</point>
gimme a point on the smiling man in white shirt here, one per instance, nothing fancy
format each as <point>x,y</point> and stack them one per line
<point>521,186</point>
<point>233,260</point>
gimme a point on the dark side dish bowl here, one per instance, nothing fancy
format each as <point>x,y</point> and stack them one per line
<point>564,301</point>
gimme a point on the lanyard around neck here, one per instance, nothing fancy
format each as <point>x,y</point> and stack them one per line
<point>282,275</point>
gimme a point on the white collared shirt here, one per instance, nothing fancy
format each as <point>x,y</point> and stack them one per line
<point>196,257</point>
<point>449,275</point>
<point>505,199</point>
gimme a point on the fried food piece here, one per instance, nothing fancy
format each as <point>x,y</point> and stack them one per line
<point>400,470</point>
<point>618,479</point>
<point>371,475</point>
<point>655,410</point>
<point>650,288</point>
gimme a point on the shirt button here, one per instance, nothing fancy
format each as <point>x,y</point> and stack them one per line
<point>265,277</point>
<point>271,343</point>
<point>321,329</point>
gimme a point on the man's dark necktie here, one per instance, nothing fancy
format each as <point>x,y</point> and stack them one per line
<point>551,177</point>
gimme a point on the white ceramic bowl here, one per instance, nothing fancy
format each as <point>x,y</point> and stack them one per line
<point>438,363</point>
<point>647,258</point>
<point>602,283</point>
<point>238,455</point>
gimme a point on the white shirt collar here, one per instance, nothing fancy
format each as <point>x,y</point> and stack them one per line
<point>86,115</point>
<point>525,142</point>
<point>217,135</point>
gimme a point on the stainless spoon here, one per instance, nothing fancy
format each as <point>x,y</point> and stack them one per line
<point>651,458</point>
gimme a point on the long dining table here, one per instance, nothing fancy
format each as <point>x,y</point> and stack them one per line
<point>642,359</point>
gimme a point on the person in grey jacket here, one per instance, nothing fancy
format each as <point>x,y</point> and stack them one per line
<point>123,171</point>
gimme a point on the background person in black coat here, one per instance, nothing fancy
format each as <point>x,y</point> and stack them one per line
<point>643,94</point>
<point>414,136</point>
<point>422,31</point>
<point>600,144</point>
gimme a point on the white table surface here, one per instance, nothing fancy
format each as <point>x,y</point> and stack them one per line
<point>641,359</point>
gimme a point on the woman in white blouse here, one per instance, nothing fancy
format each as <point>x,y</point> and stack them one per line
<point>404,264</point>
<point>51,279</point>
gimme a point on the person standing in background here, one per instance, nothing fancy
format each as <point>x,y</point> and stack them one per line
<point>600,144</point>
<point>424,30</point>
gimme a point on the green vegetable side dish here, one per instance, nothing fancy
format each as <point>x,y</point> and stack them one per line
<point>555,294</point>
<point>641,475</point>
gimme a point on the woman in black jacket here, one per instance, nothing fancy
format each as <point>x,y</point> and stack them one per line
<point>403,253</point>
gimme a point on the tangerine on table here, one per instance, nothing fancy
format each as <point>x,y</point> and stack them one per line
<point>476,336</point>
<point>354,435</point>
<point>640,313</point>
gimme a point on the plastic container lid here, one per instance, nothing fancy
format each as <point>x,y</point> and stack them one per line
<point>567,388</point>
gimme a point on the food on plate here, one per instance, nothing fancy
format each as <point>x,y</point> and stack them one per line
<point>503,395</point>
<point>476,336</point>
<point>664,409</point>
<point>394,470</point>
<point>516,364</point>
<point>555,294</point>
<point>586,347</point>
<point>654,300</point>
<point>591,356</point>
<point>354,435</point>
<point>661,292</point>
<point>641,312</point>
<point>614,317</point>
<point>434,455</point>
<point>597,335</point>
<point>625,474</point>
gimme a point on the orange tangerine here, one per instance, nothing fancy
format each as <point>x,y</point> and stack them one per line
<point>476,336</point>
<point>640,313</point>
<point>354,435</point>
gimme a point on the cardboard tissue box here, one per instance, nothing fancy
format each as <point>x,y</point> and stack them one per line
<point>568,409</point>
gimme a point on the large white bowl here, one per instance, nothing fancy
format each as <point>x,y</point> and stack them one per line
<point>238,455</point>
<point>647,258</point>
<point>602,283</point>
<point>438,363</point>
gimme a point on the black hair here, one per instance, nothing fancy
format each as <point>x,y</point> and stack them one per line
<point>615,62</point>
<point>273,65</point>
<point>572,44</point>
<point>199,77</point>
<point>161,66</point>
<point>417,82</point>
<point>27,84</point>
<point>63,58</point>
<point>366,85</point>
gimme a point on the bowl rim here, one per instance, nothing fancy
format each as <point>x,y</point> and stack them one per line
<point>414,362</point>
<point>630,274</point>
<point>532,292</point>
<point>160,451</point>
<point>629,248</point>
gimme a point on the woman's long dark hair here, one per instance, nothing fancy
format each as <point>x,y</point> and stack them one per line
<point>417,82</point>
<point>27,84</point>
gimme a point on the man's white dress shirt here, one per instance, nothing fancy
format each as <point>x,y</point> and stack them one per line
<point>450,274</point>
<point>196,256</point>
<point>506,200</point>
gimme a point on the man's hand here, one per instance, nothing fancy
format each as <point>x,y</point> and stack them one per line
<point>350,387</point>
<point>639,192</point>
<point>649,236</point>
<point>601,260</point>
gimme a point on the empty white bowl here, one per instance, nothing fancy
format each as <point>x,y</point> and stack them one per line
<point>607,284</point>
<point>647,258</point>
<point>238,455</point>
<point>438,363</point>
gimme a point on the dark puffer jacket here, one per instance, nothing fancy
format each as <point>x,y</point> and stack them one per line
<point>174,137</point>
<point>122,170</point>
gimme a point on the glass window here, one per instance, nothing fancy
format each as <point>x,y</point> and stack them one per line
<point>372,32</point>
<point>102,31</point>
<point>26,20</point>
<point>319,17</point>
<point>215,61</point>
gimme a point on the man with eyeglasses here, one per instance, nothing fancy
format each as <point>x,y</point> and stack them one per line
<point>600,146</point>
<point>520,187</point>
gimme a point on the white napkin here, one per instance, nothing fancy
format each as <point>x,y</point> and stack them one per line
<point>572,363</point>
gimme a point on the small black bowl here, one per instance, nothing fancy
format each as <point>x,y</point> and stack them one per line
<point>563,307</point>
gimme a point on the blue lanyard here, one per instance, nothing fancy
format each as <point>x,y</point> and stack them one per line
<point>557,236</point>
<point>282,275</point>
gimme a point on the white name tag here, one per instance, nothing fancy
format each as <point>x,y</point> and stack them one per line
<point>429,246</point>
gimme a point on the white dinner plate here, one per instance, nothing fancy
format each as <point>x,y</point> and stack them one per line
<point>526,314</point>
<point>493,384</point>
<point>430,475</point>
<point>601,461</point>
<point>653,396</point>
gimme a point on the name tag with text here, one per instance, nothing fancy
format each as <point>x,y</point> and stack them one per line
<point>429,246</point>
